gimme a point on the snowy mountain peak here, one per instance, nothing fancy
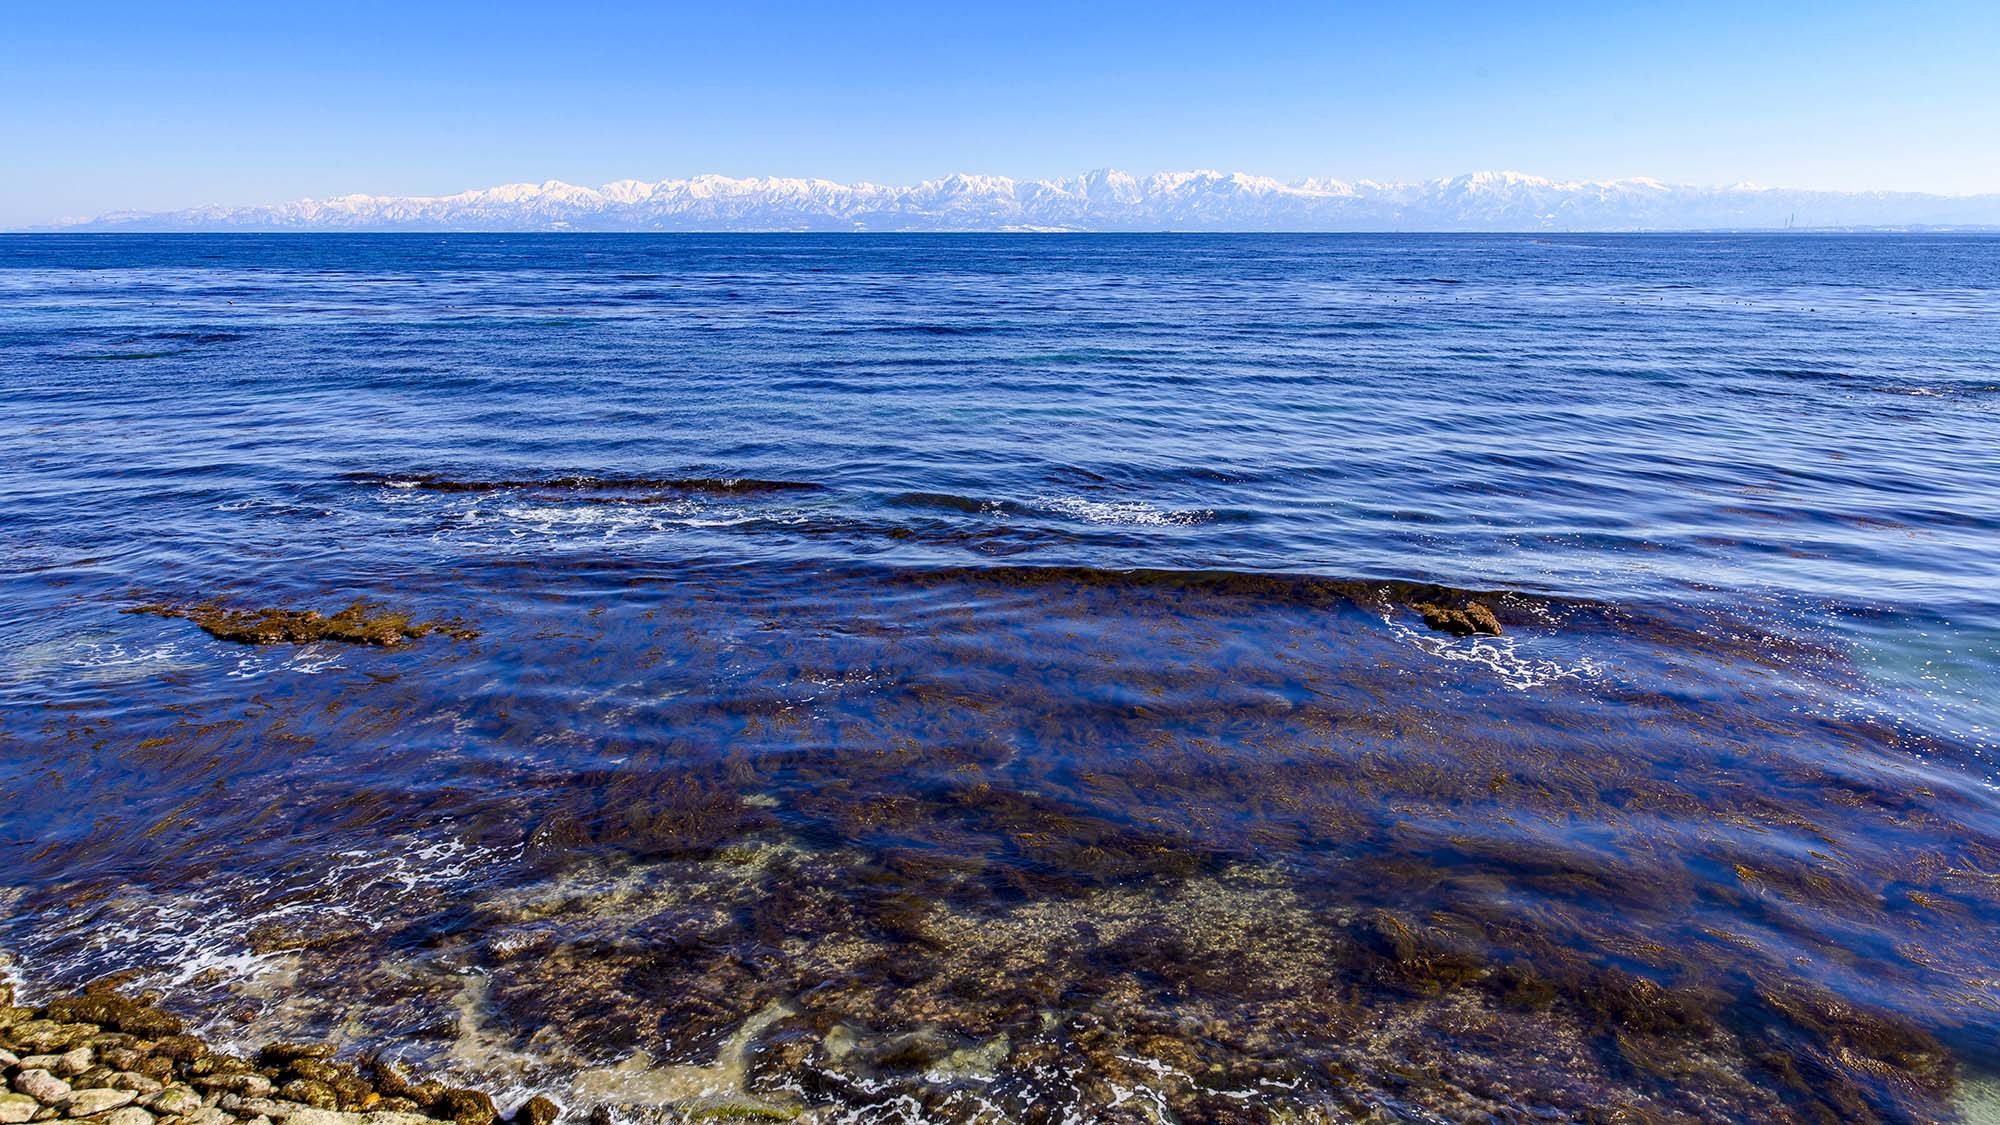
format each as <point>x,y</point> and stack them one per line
<point>1104,199</point>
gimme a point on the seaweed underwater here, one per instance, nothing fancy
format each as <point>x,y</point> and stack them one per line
<point>1022,842</point>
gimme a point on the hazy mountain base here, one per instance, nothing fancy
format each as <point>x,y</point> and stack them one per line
<point>1098,201</point>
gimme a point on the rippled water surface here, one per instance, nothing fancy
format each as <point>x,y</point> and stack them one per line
<point>982,678</point>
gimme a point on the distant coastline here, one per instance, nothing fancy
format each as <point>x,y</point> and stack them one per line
<point>1102,201</point>
<point>1909,229</point>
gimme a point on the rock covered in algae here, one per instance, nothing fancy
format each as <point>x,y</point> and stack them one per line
<point>166,1075</point>
<point>538,1110</point>
<point>1471,619</point>
<point>361,623</point>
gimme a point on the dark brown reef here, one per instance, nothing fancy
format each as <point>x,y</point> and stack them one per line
<point>361,623</point>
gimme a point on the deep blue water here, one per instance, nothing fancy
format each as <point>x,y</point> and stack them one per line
<point>983,668</point>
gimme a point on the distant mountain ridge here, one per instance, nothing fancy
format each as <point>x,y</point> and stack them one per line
<point>1104,200</point>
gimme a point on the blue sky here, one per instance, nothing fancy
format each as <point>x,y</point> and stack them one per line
<point>107,106</point>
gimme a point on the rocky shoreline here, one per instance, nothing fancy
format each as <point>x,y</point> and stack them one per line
<point>111,1059</point>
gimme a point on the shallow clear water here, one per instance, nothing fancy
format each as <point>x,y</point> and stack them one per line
<point>944,676</point>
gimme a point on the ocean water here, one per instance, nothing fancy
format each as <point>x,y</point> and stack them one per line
<point>979,678</point>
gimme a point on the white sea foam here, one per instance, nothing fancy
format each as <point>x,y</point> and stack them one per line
<point>98,658</point>
<point>116,662</point>
<point>506,525</point>
<point>1505,655</point>
<point>202,935</point>
<point>1135,513</point>
<point>304,660</point>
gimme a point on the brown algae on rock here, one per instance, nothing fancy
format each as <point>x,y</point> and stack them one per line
<point>1242,885</point>
<point>130,1064</point>
<point>360,623</point>
<point>1470,619</point>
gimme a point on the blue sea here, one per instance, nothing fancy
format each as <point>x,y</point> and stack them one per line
<point>1023,678</point>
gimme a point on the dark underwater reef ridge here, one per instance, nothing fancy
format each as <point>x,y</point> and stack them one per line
<point>358,623</point>
<point>959,841</point>
<point>970,679</point>
<point>1459,613</point>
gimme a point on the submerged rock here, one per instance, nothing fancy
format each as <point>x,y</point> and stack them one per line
<point>722,1109</point>
<point>307,1092</point>
<point>360,623</point>
<point>280,1054</point>
<point>115,1012</point>
<point>334,1117</point>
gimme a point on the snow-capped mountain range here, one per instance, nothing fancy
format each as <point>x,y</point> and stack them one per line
<point>1102,200</point>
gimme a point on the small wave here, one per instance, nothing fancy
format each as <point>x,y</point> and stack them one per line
<point>117,356</point>
<point>1129,513</point>
<point>1501,655</point>
<point>198,337</point>
<point>113,662</point>
<point>1135,513</point>
<point>934,329</point>
<point>208,936</point>
<point>306,660</point>
<point>654,517</point>
<point>99,658</point>
<point>596,489</point>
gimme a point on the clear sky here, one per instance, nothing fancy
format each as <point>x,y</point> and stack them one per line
<point>154,106</point>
